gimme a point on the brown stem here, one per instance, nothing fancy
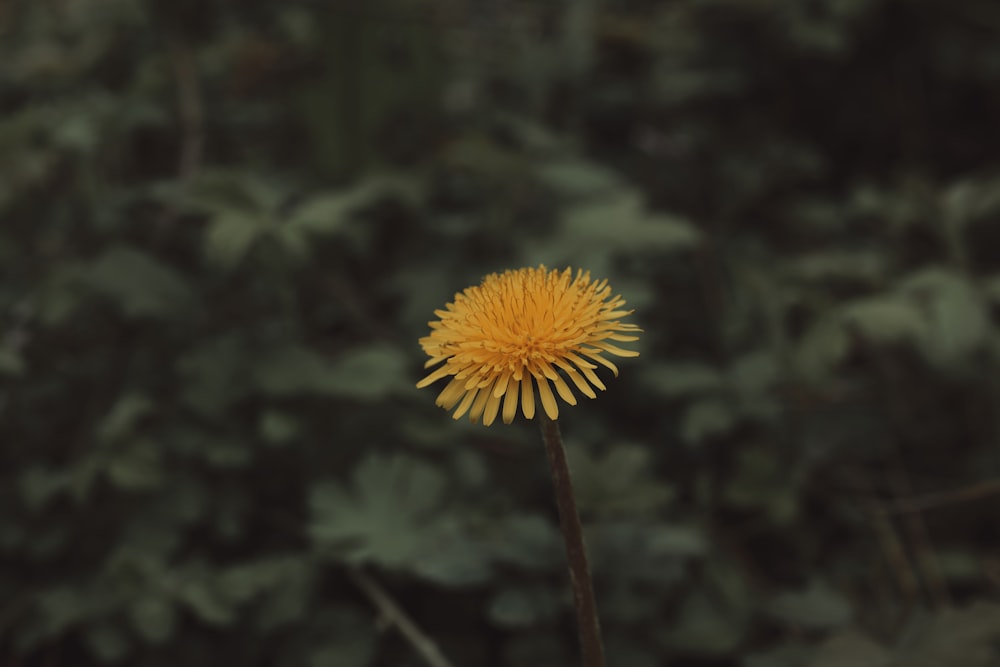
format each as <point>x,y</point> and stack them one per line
<point>576,553</point>
<point>393,614</point>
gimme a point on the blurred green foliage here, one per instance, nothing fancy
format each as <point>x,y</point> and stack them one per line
<point>225,225</point>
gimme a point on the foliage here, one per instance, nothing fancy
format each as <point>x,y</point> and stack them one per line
<point>227,224</point>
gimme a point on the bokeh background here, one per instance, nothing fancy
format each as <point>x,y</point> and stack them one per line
<point>224,225</point>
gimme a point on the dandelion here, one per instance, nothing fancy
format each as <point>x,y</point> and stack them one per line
<point>523,329</point>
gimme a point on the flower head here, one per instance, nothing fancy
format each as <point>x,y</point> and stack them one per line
<point>519,329</point>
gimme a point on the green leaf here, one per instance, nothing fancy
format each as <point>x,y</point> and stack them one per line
<point>817,607</point>
<point>349,640</point>
<point>12,363</point>
<point>292,370</point>
<point>523,607</point>
<point>326,214</point>
<point>618,482</point>
<point>622,224</point>
<point>762,482</point>
<point>230,236</point>
<point>525,540</point>
<point>38,485</point>
<point>968,636</point>
<point>705,628</point>
<point>205,602</point>
<point>958,322</point>
<point>369,372</point>
<point>706,419</point>
<point>153,618</point>
<point>137,467</point>
<point>752,374</point>
<point>278,428</point>
<point>655,551</point>
<point>885,319</point>
<point>107,642</point>
<point>141,285</point>
<point>678,379</point>
<point>864,266</point>
<point>578,178</point>
<point>123,417</point>
<point>786,655</point>
<point>853,649</point>
<point>384,515</point>
<point>823,346</point>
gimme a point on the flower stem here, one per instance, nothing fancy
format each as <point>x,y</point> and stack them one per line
<point>576,553</point>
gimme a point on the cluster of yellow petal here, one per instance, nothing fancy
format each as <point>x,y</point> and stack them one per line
<point>523,325</point>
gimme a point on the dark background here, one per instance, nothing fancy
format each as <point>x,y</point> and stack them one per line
<point>224,225</point>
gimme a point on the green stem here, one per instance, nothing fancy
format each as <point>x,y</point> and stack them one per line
<point>576,553</point>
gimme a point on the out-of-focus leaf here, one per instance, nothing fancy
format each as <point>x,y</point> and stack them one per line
<point>12,363</point>
<point>350,640</point>
<point>705,419</point>
<point>578,178</point>
<point>816,607</point>
<point>957,319</point>
<point>141,285</point>
<point>123,417</point>
<point>885,319</point>
<point>788,655</point>
<point>278,428</point>
<point>230,236</point>
<point>153,617</point>
<point>205,602</point>
<point>528,541</point>
<point>365,373</point>
<point>966,636</point>
<point>619,482</point>
<point>136,467</point>
<point>864,266</point>
<point>852,649</point>
<point>705,628</point>
<point>383,516</point>
<point>823,346</point>
<point>370,372</point>
<point>622,224</point>
<point>679,379</point>
<point>655,551</point>
<point>37,485</point>
<point>107,642</point>
<point>762,483</point>
<point>292,370</point>
<point>752,374</point>
<point>523,607</point>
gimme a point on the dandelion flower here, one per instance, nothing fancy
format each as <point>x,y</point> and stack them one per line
<point>523,329</point>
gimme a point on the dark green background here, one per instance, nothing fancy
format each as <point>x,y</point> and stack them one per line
<point>224,225</point>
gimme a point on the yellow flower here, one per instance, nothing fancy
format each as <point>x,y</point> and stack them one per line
<point>522,325</point>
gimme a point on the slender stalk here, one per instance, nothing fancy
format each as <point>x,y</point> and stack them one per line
<point>576,553</point>
<point>394,614</point>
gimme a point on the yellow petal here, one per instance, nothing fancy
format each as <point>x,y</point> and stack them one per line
<point>433,377</point>
<point>477,408</point>
<point>564,391</point>
<point>451,395</point>
<point>501,387</point>
<point>548,400</point>
<point>465,404</point>
<point>577,379</point>
<point>527,398</point>
<point>510,403</point>
<point>608,347</point>
<point>596,356</point>
<point>587,369</point>
<point>492,407</point>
